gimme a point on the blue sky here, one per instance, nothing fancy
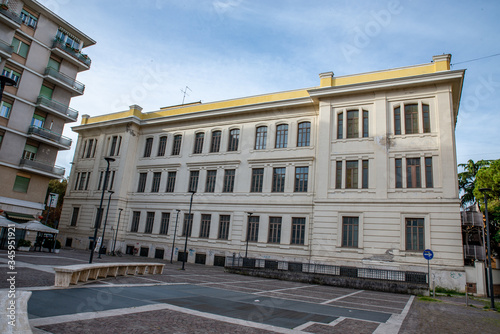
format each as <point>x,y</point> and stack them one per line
<point>148,51</point>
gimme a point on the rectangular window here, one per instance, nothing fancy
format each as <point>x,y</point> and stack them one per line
<point>415,234</point>
<point>165,218</point>
<point>253,229</point>
<point>83,179</point>
<point>279,180</point>
<point>9,73</point>
<point>5,109</point>
<point>198,143</point>
<point>257,180</point>
<point>111,180</point>
<point>274,230</point>
<point>30,152</point>
<point>338,175</point>
<point>90,148</point>
<point>54,64</point>
<point>112,149</point>
<point>37,121</point>
<point>234,138</point>
<point>281,136</point>
<point>224,222</point>
<point>215,145</point>
<point>411,119</point>
<point>101,177</point>
<point>76,181</point>
<point>350,232</point>
<point>353,124</point>
<point>365,124</point>
<point>205,226</point>
<point>150,219</point>
<point>365,174</point>
<point>142,182</point>
<point>298,231</point>
<point>193,180</point>
<point>397,120</point>
<point>74,216</point>
<point>28,19</point>
<point>340,125</point>
<point>260,138</point>
<point>301,179</point>
<point>304,134</point>
<point>429,183</point>
<point>229,180</point>
<point>351,175</point>
<point>211,178</point>
<point>46,92</point>
<point>148,147</point>
<point>20,47</point>
<point>188,224</point>
<point>162,146</point>
<point>399,173</point>
<point>426,118</point>
<point>176,148</point>
<point>413,173</point>
<point>136,217</point>
<point>171,182</point>
<point>155,187</point>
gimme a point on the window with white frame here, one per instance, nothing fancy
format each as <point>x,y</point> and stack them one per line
<point>412,118</point>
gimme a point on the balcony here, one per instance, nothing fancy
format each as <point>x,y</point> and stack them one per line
<point>10,18</point>
<point>472,218</point>
<point>57,108</point>
<point>49,137</point>
<point>79,59</point>
<point>6,50</point>
<point>66,82</point>
<point>474,252</point>
<point>33,166</point>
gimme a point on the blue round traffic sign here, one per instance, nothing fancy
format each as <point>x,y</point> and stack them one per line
<point>428,254</point>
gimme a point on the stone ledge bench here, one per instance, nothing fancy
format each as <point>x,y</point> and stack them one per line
<point>83,272</point>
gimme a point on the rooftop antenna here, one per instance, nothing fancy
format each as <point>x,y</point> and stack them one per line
<point>185,93</point>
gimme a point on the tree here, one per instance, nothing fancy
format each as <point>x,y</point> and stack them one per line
<point>58,187</point>
<point>467,180</point>
<point>489,177</point>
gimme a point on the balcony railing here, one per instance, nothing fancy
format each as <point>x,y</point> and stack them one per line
<point>472,218</point>
<point>11,15</point>
<point>68,49</point>
<point>56,170</point>
<point>474,252</point>
<point>59,107</point>
<point>45,133</point>
<point>66,79</point>
<point>5,47</point>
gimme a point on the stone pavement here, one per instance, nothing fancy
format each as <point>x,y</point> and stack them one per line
<point>205,299</point>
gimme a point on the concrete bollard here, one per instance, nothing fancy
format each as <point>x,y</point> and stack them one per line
<point>14,312</point>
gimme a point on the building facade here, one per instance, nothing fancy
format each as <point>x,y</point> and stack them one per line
<point>358,171</point>
<point>42,53</point>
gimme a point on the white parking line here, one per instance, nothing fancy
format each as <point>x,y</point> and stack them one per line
<point>342,297</point>
<point>297,287</point>
<point>393,324</point>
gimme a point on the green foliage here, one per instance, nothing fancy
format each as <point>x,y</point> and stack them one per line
<point>24,243</point>
<point>428,299</point>
<point>57,187</point>
<point>467,180</point>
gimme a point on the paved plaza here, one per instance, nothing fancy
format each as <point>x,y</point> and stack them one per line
<point>205,299</point>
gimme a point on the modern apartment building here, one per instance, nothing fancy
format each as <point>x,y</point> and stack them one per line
<point>43,54</point>
<point>358,171</point>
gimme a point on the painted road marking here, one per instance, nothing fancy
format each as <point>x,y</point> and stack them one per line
<point>341,297</point>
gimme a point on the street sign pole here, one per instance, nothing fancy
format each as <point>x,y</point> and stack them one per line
<point>428,255</point>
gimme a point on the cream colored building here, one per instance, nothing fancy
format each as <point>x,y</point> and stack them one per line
<point>42,53</point>
<point>358,171</point>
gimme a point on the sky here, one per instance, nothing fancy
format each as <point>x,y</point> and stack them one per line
<point>149,51</point>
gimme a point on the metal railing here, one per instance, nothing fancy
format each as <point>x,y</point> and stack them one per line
<point>42,166</point>
<point>45,133</point>
<point>6,47</point>
<point>11,15</point>
<point>474,252</point>
<point>66,79</point>
<point>59,107</point>
<point>472,218</point>
<point>314,268</point>
<point>68,49</point>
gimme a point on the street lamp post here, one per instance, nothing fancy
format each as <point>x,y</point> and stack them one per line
<point>184,258</point>
<point>490,275</point>
<point>175,232</point>
<point>248,232</point>
<point>99,213</point>
<point>116,232</point>
<point>111,192</point>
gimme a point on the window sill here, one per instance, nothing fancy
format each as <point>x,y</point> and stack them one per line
<point>350,140</point>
